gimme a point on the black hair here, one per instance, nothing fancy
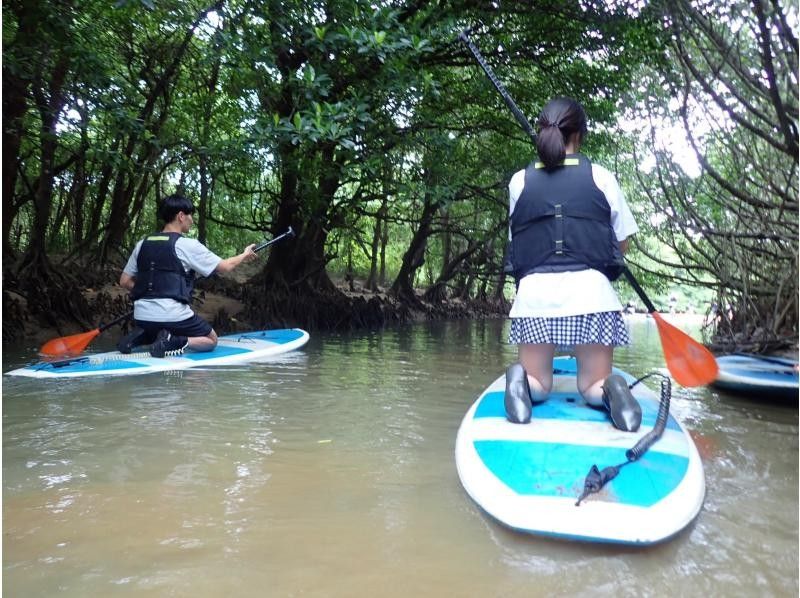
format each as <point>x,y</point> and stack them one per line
<point>559,119</point>
<point>171,205</point>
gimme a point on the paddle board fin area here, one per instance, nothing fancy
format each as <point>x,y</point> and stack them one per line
<point>596,478</point>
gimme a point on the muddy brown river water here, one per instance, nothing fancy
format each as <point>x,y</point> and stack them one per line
<point>330,472</point>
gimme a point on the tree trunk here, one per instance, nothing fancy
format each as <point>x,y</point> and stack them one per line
<point>122,195</point>
<point>447,241</point>
<point>298,264</point>
<point>437,292</point>
<point>14,108</point>
<point>49,107</point>
<point>372,281</point>
<point>414,257</point>
<point>205,136</point>
<point>384,243</point>
<point>15,105</point>
<point>499,289</point>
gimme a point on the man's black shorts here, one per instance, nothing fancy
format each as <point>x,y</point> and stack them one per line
<point>194,326</point>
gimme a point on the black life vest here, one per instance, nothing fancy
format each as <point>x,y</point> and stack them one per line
<point>160,273</point>
<point>562,222</point>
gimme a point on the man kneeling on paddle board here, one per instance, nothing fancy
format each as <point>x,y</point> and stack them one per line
<point>569,226</point>
<point>160,274</point>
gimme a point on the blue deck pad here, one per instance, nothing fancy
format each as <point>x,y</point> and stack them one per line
<point>276,336</point>
<point>566,406</point>
<point>85,365</point>
<point>565,365</point>
<point>120,362</point>
<point>219,351</point>
<point>548,469</point>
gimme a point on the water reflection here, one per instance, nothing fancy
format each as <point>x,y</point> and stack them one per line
<point>330,472</point>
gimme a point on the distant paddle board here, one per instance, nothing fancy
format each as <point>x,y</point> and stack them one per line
<point>758,376</point>
<point>529,476</point>
<point>231,349</point>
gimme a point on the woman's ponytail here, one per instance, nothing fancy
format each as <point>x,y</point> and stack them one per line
<point>550,145</point>
<point>559,119</point>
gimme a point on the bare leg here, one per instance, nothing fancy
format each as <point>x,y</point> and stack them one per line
<point>203,343</point>
<point>594,366</point>
<point>538,363</point>
<point>595,380</point>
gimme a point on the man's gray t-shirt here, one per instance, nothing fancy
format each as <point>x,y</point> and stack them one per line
<point>194,256</point>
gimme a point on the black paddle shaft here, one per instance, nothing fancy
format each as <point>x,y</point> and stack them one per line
<point>289,233</point>
<point>521,119</point>
<point>121,318</point>
<point>639,290</point>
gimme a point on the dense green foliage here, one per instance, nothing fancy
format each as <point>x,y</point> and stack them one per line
<point>365,126</point>
<point>732,228</point>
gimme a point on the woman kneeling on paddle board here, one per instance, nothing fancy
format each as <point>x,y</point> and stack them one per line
<point>569,226</point>
<point>160,274</point>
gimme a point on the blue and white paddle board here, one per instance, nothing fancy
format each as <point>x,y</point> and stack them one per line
<point>231,349</point>
<point>758,376</point>
<point>529,476</point>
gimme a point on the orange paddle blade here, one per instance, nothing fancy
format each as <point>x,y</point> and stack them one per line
<point>68,346</point>
<point>689,362</point>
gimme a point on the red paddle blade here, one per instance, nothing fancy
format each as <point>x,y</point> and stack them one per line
<point>689,362</point>
<point>68,346</point>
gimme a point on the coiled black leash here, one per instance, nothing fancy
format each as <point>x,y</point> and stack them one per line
<point>597,478</point>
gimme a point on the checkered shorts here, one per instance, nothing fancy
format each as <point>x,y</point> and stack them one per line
<point>603,328</point>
